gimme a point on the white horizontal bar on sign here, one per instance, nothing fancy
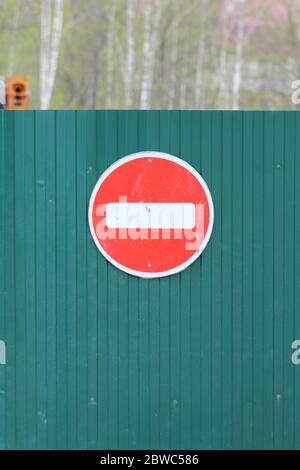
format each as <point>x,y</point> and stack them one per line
<point>156,215</point>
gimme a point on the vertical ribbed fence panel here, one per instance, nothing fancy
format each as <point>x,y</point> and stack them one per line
<point>98,359</point>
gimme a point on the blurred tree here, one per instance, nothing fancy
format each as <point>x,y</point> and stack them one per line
<point>239,48</point>
<point>110,50</point>
<point>51,31</point>
<point>199,79</point>
<point>149,48</point>
<point>130,58</point>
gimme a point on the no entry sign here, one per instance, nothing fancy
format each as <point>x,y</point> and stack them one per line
<point>151,214</point>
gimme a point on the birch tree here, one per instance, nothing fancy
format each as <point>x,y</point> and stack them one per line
<point>222,73</point>
<point>148,5</point>
<point>51,26</point>
<point>294,28</point>
<point>237,73</point>
<point>174,55</point>
<point>184,69</point>
<point>110,50</point>
<point>149,48</point>
<point>199,79</point>
<point>130,58</point>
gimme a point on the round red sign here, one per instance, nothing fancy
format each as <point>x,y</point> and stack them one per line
<point>151,214</point>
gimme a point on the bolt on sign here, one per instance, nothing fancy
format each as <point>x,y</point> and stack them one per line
<point>151,214</point>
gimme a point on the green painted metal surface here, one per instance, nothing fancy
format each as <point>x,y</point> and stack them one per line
<point>99,359</point>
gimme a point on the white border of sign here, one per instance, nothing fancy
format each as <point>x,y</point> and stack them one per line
<point>180,162</point>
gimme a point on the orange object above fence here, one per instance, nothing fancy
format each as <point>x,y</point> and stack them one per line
<point>17,93</point>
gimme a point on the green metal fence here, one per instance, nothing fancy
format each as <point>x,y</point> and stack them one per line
<point>96,358</point>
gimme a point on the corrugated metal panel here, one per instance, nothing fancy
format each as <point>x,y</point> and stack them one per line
<point>100,359</point>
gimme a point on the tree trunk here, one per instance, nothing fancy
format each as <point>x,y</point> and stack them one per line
<point>184,66</point>
<point>174,53</point>
<point>223,90</point>
<point>44,50</point>
<point>199,79</point>
<point>237,73</point>
<point>294,31</point>
<point>110,64</point>
<point>51,31</point>
<point>130,59</point>
<point>148,5</point>
<point>149,48</point>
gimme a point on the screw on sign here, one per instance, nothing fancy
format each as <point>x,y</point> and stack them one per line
<point>151,214</point>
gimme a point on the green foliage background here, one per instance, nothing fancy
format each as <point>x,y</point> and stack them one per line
<point>271,53</point>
